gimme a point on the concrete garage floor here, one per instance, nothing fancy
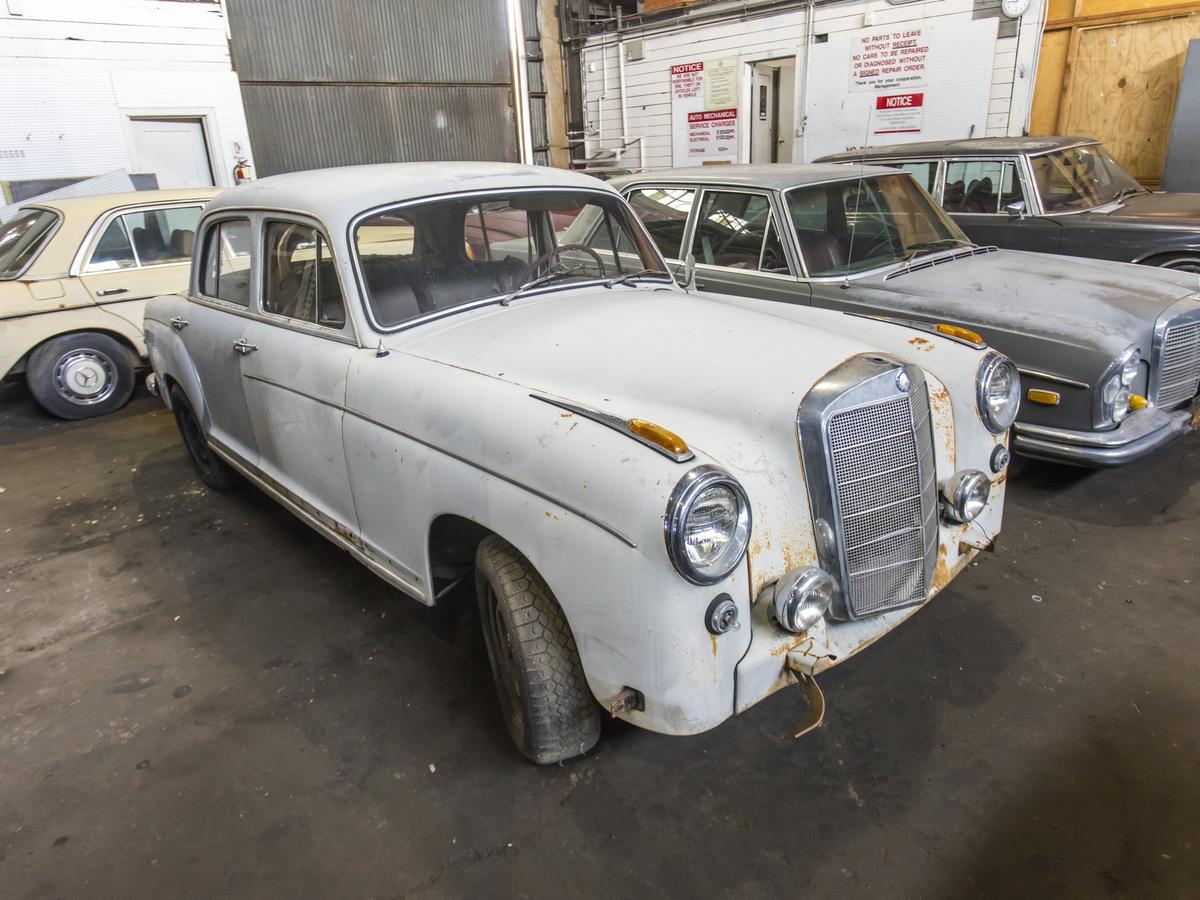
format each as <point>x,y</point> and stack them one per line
<point>202,698</point>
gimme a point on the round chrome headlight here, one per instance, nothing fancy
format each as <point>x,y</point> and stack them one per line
<point>802,597</point>
<point>707,525</point>
<point>999,392</point>
<point>964,495</point>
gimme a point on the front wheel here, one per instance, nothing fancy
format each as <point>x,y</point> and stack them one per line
<point>78,376</point>
<point>213,470</point>
<point>1181,262</point>
<point>547,705</point>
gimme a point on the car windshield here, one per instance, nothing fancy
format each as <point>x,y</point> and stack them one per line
<point>22,238</point>
<point>853,226</point>
<point>437,255</point>
<point>1081,178</point>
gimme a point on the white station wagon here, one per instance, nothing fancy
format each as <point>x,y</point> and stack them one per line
<point>671,503</point>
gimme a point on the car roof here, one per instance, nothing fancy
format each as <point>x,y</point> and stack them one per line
<point>95,204</point>
<point>337,195</point>
<point>774,176</point>
<point>962,147</point>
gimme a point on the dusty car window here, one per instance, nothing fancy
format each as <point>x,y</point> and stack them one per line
<point>924,172</point>
<point>440,254</point>
<point>1080,178</point>
<point>301,282</point>
<point>664,212</point>
<point>162,236</point>
<point>113,250</point>
<point>738,231</point>
<point>22,238</point>
<point>226,272</point>
<point>981,186</point>
<point>853,226</point>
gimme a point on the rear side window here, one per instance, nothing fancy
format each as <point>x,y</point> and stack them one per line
<point>162,236</point>
<point>301,282</point>
<point>664,212</point>
<point>22,239</point>
<point>226,271</point>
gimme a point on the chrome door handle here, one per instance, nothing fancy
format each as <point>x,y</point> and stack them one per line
<point>179,323</point>
<point>242,347</point>
<point>112,291</point>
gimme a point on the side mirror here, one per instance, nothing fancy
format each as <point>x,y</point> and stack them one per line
<point>689,272</point>
<point>1016,210</point>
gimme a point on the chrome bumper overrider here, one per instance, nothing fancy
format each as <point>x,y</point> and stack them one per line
<point>152,384</point>
<point>1141,433</point>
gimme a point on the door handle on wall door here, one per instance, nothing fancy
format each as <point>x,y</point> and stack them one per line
<point>242,347</point>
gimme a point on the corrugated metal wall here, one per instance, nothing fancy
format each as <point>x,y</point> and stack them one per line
<point>362,81</point>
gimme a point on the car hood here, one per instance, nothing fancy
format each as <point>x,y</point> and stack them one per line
<point>1160,206</point>
<point>1083,302</point>
<point>693,363</point>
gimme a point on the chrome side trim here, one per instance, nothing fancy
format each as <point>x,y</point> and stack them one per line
<point>616,423</point>
<point>1057,379</point>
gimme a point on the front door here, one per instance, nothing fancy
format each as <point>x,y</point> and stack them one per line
<point>977,193</point>
<point>740,250</point>
<point>214,331</point>
<point>295,374</point>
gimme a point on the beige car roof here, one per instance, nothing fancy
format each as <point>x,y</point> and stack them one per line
<point>80,213</point>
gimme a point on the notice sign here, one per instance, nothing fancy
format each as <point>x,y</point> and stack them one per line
<point>704,112</point>
<point>898,114</point>
<point>712,134</point>
<point>890,60</point>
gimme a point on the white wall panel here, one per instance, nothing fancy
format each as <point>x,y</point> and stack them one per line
<point>647,81</point>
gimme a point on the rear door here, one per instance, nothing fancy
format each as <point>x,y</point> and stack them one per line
<point>214,330</point>
<point>138,254</point>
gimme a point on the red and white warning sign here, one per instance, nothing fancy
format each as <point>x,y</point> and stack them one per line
<point>898,114</point>
<point>704,116</point>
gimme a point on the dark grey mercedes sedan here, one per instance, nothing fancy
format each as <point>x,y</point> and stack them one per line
<point>1051,195</point>
<point>1109,353</point>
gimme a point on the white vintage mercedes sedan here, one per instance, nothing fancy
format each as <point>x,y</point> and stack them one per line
<point>671,503</point>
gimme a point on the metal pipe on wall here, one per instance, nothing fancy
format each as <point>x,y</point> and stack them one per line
<point>520,81</point>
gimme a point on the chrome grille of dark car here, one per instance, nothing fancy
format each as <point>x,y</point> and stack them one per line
<point>886,497</point>
<point>1179,362</point>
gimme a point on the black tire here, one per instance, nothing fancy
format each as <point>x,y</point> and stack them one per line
<point>213,470</point>
<point>547,705</point>
<point>78,376</point>
<point>1180,262</point>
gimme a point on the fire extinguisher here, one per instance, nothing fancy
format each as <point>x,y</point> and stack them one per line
<point>242,171</point>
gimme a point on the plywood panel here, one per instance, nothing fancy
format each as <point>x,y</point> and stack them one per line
<point>1065,9</point>
<point>1047,93</point>
<point>1123,86</point>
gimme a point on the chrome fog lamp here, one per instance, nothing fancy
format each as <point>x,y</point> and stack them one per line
<point>964,495</point>
<point>707,525</point>
<point>802,597</point>
<point>998,392</point>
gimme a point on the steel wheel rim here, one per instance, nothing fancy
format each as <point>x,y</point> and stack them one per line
<point>504,663</point>
<point>85,377</point>
<point>1191,264</point>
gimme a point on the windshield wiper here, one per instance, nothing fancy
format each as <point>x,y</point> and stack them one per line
<point>625,279</point>
<point>1127,192</point>
<point>538,282</point>
<point>916,250</point>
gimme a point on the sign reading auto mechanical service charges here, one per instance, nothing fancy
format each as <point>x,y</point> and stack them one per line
<point>704,113</point>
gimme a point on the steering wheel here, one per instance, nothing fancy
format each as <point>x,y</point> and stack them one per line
<point>554,251</point>
<point>882,241</point>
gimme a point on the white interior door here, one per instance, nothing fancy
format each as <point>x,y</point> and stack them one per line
<point>773,111</point>
<point>174,150</point>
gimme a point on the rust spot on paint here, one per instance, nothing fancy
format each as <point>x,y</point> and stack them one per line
<point>550,515</point>
<point>713,639</point>
<point>941,573</point>
<point>921,344</point>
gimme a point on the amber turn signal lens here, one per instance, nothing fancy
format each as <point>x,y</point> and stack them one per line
<point>659,436</point>
<point>1047,398</point>
<point>1137,401</point>
<point>958,331</point>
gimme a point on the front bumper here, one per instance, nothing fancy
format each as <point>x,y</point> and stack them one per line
<point>1139,434</point>
<point>152,384</point>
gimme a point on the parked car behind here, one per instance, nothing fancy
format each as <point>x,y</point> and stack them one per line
<point>1109,354</point>
<point>75,274</point>
<point>1050,195</point>
<point>671,503</point>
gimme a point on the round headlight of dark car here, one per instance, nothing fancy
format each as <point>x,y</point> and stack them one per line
<point>999,392</point>
<point>707,525</point>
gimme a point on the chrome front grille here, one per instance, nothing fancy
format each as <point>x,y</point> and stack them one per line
<point>885,500</point>
<point>1179,364</point>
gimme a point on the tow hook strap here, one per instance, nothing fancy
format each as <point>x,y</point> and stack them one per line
<point>816,704</point>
